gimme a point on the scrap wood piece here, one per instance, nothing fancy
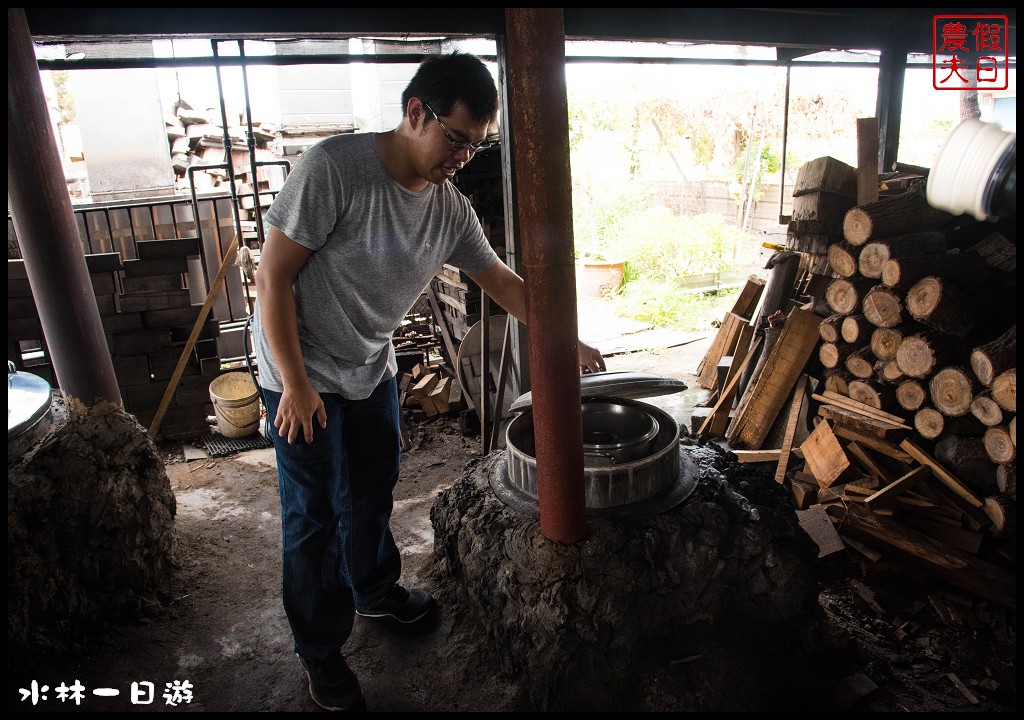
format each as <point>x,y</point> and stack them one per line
<point>947,478</point>
<point>723,345</point>
<point>879,445</point>
<point>756,456</point>
<point>833,398</point>
<point>944,562</point>
<point>728,389</point>
<point>724,396</point>
<point>825,456</point>
<point>816,523</point>
<point>746,301</point>
<point>869,464</point>
<point>788,358</point>
<point>887,495</point>
<point>862,423</point>
<point>791,425</point>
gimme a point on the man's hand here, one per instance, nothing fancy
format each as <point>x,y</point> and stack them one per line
<point>295,413</point>
<point>591,359</point>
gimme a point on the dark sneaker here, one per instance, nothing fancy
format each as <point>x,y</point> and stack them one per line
<point>405,606</point>
<point>332,685</point>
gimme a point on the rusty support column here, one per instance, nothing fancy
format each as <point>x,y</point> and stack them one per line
<point>537,109</point>
<point>48,234</point>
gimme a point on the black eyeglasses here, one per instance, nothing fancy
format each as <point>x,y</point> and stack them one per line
<point>458,145</point>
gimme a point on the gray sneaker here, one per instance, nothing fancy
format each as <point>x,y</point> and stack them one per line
<point>332,685</point>
<point>405,606</point>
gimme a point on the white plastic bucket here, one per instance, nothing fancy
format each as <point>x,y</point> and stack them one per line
<point>236,403</point>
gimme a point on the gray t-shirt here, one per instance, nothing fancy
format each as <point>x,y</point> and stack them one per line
<point>376,245</point>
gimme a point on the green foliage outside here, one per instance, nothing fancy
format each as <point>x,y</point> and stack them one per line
<point>659,249</point>
<point>663,303</point>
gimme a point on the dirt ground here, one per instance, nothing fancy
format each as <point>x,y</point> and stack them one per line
<point>898,642</point>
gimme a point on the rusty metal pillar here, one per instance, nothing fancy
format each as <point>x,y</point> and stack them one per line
<point>48,234</point>
<point>537,110</point>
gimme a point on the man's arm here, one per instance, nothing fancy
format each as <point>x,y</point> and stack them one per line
<point>508,290</point>
<point>281,260</point>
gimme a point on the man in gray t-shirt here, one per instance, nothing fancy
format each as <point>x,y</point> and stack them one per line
<point>360,227</point>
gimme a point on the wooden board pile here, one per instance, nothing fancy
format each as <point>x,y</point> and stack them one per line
<point>428,392</point>
<point>884,381</point>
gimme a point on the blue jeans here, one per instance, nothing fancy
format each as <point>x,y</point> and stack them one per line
<point>336,499</point>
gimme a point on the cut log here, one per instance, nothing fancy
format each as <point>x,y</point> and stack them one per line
<point>997,252</point>
<point>995,356</point>
<point>873,393</point>
<point>952,389</point>
<point>883,307</point>
<point>901,214</point>
<point>1006,480</point>
<point>888,372</point>
<point>843,258</point>
<point>911,394</point>
<point>1004,390</point>
<point>885,341</point>
<point>834,355</point>
<point>845,295</point>
<point>942,306</point>
<point>986,409</point>
<point>999,446</point>
<point>826,173</point>
<point>838,381</point>
<point>1013,429</point>
<point>923,354</point>
<point>861,363</point>
<point>856,329</point>
<point>966,269</point>
<point>830,328</point>
<point>932,424</point>
<point>811,238</point>
<point>873,255</point>
<point>967,458</point>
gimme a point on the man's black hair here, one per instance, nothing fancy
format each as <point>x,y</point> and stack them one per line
<point>444,80</point>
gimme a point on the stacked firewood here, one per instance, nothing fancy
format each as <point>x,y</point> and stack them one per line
<point>885,390</point>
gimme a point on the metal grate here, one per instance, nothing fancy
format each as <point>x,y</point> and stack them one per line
<point>218,445</point>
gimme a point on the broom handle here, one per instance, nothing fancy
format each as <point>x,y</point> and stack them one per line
<point>228,261</point>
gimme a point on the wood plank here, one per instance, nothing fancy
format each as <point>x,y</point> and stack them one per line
<point>746,301</point>
<point>885,447</point>
<point>886,497</point>
<point>862,423</point>
<point>848,403</point>
<point>947,478</point>
<point>724,344</point>
<point>756,456</point>
<point>940,560</point>
<point>825,456</point>
<point>868,463</point>
<point>785,363</point>
<point>791,424</point>
<point>867,160</point>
